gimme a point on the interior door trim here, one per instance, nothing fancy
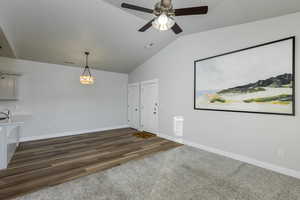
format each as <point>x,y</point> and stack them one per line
<point>153,81</point>
<point>133,84</point>
<point>149,81</point>
<point>139,102</point>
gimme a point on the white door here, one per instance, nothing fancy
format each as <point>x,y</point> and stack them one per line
<point>133,105</point>
<point>149,106</point>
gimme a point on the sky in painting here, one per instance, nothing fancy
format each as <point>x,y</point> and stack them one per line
<point>244,67</point>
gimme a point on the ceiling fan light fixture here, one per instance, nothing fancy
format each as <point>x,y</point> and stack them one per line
<point>86,77</point>
<point>163,22</point>
<point>164,13</point>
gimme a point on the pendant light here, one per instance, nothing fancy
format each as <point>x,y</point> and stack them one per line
<point>86,77</point>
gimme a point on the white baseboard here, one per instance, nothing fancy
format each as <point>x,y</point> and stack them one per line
<point>265,165</point>
<point>179,140</point>
<point>69,133</point>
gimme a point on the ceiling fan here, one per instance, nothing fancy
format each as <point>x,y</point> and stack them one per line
<point>164,15</point>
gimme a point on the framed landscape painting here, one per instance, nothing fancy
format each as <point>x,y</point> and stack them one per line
<point>259,79</point>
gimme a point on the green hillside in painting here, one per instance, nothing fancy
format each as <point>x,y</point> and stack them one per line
<point>284,81</point>
<point>272,94</point>
<point>281,81</point>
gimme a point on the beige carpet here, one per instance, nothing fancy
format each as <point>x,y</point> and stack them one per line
<point>183,173</point>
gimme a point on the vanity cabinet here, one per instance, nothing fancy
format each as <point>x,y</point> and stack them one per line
<point>9,141</point>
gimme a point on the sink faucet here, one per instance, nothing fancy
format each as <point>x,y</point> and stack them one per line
<point>7,113</point>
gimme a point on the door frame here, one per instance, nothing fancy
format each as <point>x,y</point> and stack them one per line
<point>155,81</point>
<point>139,102</point>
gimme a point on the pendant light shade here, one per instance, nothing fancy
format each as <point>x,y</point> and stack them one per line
<point>86,77</point>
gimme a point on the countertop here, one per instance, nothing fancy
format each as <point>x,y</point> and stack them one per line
<point>16,120</point>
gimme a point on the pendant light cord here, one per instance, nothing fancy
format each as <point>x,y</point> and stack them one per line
<point>86,59</point>
<point>86,65</point>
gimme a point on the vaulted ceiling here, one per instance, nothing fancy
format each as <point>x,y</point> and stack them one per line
<point>59,31</point>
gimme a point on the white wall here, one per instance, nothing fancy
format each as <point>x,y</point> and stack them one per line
<point>251,135</point>
<point>58,103</point>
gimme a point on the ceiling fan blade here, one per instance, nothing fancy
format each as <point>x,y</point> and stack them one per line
<point>176,28</point>
<point>191,11</point>
<point>147,26</point>
<point>138,8</point>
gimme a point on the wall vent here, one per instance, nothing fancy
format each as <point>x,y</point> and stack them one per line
<point>178,126</point>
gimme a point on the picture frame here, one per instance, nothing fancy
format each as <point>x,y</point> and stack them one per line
<point>258,79</point>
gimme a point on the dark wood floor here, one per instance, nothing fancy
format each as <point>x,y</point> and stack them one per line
<point>44,163</point>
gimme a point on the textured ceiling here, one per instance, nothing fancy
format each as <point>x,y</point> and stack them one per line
<point>56,31</point>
